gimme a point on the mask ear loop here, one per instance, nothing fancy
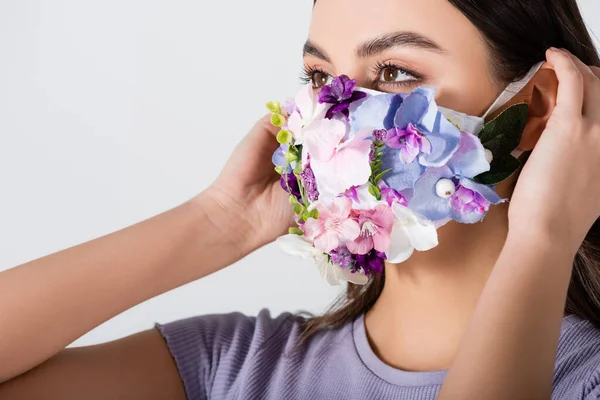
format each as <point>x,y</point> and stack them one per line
<point>509,93</point>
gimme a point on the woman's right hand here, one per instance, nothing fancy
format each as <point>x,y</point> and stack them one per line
<point>249,188</point>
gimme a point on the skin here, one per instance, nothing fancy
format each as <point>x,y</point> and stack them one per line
<point>459,306</point>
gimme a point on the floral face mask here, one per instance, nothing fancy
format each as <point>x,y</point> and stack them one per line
<point>372,175</point>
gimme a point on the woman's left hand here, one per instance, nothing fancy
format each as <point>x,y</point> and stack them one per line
<point>557,196</point>
<point>515,328</point>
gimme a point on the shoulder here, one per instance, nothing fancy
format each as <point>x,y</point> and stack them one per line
<point>577,370</point>
<point>223,333</point>
<point>210,348</point>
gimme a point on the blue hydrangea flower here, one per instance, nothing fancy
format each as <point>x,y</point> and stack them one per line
<point>399,113</point>
<point>449,192</point>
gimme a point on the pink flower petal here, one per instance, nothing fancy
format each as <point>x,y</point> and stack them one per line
<point>350,167</point>
<point>327,241</point>
<point>305,101</point>
<point>361,245</point>
<point>383,217</point>
<point>324,212</point>
<point>322,137</point>
<point>313,228</point>
<point>294,124</point>
<point>349,230</point>
<point>341,207</point>
<point>382,241</point>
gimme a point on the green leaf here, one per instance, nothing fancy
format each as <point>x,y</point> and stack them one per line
<point>502,135</point>
<point>501,169</point>
<point>293,200</point>
<point>374,190</point>
<point>299,209</point>
<point>279,170</point>
<point>298,169</point>
<point>290,157</point>
<point>376,165</point>
<point>284,137</point>
<point>295,231</point>
<point>380,175</point>
<point>314,213</point>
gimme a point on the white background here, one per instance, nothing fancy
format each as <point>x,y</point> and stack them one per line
<point>114,111</point>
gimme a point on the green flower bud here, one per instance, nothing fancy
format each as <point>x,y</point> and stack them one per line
<point>284,137</point>
<point>277,120</point>
<point>274,107</point>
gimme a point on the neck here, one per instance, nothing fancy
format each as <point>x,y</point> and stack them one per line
<point>423,311</point>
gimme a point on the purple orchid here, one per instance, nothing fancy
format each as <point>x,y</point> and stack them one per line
<point>450,193</point>
<point>418,136</point>
<point>372,262</point>
<point>352,193</point>
<point>466,201</point>
<point>289,183</point>
<point>340,94</point>
<point>409,141</point>
<point>310,184</point>
<point>391,195</point>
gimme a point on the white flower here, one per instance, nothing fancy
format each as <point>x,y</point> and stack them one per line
<point>410,232</point>
<point>334,275</point>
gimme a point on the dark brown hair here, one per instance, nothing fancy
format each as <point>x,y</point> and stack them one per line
<point>518,33</point>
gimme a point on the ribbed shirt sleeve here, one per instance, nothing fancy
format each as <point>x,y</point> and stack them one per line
<point>212,350</point>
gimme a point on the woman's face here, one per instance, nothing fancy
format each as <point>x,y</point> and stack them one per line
<point>398,45</point>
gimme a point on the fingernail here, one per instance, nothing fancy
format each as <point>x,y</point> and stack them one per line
<point>554,49</point>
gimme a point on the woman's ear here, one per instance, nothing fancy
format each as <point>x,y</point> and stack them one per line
<point>540,94</point>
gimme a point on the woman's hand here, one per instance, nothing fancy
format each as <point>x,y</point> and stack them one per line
<point>249,187</point>
<point>557,196</point>
<point>515,328</point>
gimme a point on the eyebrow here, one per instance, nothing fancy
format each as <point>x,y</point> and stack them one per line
<point>314,50</point>
<point>380,44</point>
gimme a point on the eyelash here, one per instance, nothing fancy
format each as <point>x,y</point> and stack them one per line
<point>308,74</point>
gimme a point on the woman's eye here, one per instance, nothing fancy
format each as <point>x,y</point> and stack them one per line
<point>320,79</point>
<point>393,74</point>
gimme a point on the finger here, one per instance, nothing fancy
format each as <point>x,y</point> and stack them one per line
<point>585,70</point>
<point>591,85</point>
<point>570,82</point>
<point>595,71</point>
<point>265,125</point>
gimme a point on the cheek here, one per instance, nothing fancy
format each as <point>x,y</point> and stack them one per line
<point>466,86</point>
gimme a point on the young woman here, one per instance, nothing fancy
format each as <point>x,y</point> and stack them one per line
<point>505,309</point>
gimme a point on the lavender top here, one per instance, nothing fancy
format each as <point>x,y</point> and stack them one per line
<point>234,356</point>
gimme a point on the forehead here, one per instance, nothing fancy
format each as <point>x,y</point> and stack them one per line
<point>344,24</point>
<point>461,70</point>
